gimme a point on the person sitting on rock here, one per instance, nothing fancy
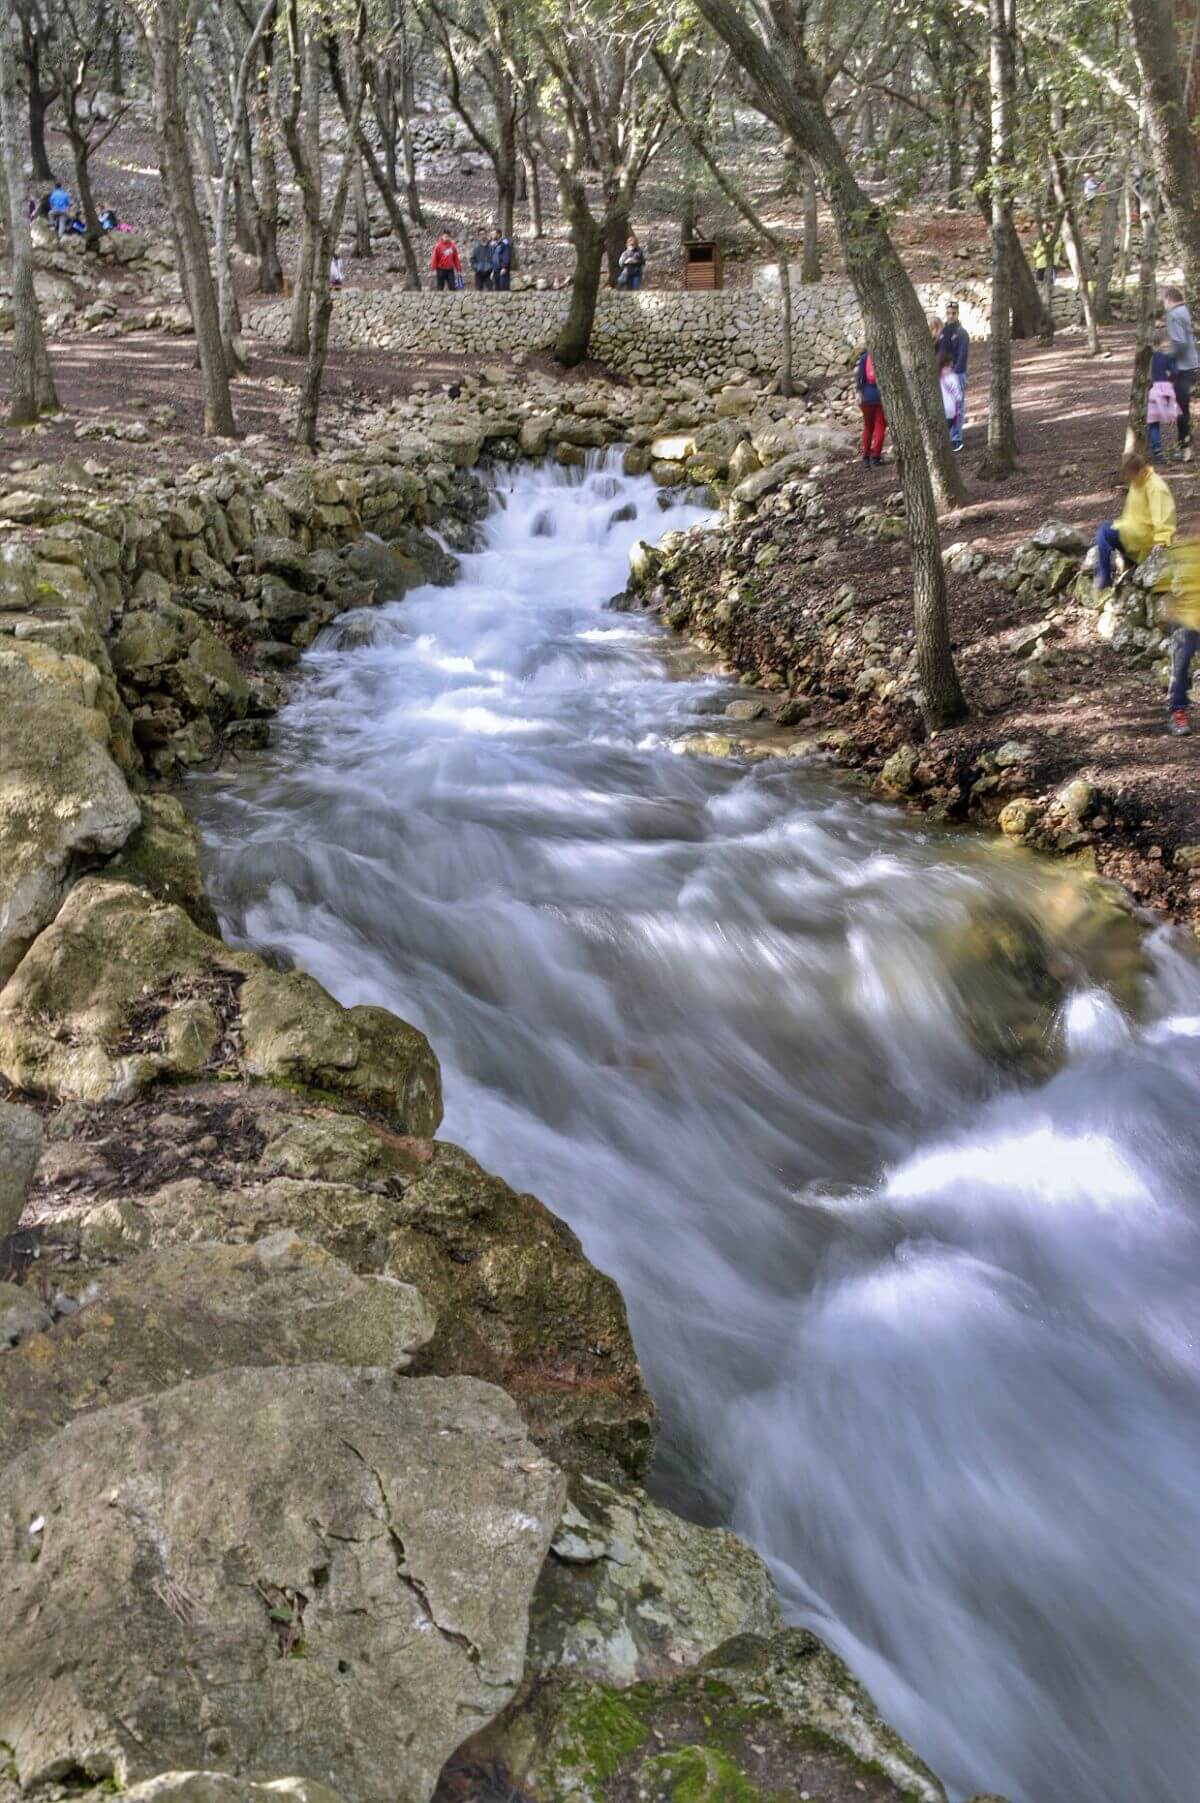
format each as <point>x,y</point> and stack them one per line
<point>874,423</point>
<point>445,262</point>
<point>501,252</point>
<point>1147,519</point>
<point>108,220</point>
<point>481,262</point>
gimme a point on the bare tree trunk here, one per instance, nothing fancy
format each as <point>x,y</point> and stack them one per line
<point>1139,388</point>
<point>783,80</point>
<point>40,100</point>
<point>33,391</point>
<point>318,338</point>
<point>1076,248</point>
<point>1031,317</point>
<point>163,37</point>
<point>575,337</point>
<point>533,190</point>
<point>1159,63</point>
<point>616,231</point>
<point>810,262</point>
<point>1126,244</point>
<point>270,269</point>
<point>304,148</point>
<point>1107,250</point>
<point>117,76</point>
<point>408,104</point>
<point>81,157</point>
<point>362,213</point>
<point>384,185</point>
<point>1001,459</point>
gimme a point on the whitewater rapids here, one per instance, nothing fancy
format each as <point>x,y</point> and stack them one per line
<point>919,1326</point>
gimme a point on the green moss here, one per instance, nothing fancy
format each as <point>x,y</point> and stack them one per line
<point>602,1732</point>
<point>697,1775</point>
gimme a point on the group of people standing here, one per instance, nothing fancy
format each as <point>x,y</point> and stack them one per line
<point>491,261</point>
<point>952,348</point>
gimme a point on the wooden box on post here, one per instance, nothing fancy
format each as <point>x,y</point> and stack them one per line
<point>702,264</point>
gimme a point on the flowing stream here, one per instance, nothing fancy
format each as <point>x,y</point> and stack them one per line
<point>889,1135</point>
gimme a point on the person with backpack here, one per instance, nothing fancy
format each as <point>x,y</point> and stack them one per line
<point>481,262</point>
<point>954,342</point>
<point>59,207</point>
<point>444,262</point>
<point>870,401</point>
<point>950,384</point>
<point>1186,359</point>
<point>501,262</point>
<point>1162,409</point>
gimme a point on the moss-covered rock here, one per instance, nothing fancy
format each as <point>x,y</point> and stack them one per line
<point>163,857</point>
<point>62,797</point>
<point>88,1015</point>
<point>760,1721</point>
<point>519,1303</point>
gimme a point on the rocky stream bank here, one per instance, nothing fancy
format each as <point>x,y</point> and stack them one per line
<point>322,1448</point>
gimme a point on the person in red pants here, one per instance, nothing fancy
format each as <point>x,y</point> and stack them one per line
<point>869,399</point>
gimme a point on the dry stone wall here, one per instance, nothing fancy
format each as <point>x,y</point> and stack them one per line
<point>648,336</point>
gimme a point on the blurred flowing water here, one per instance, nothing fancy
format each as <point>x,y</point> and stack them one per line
<point>889,1136</point>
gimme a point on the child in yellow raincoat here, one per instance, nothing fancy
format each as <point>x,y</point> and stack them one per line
<point>1147,519</point>
<point>1181,605</point>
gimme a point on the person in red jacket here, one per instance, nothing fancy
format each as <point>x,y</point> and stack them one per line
<point>444,261</point>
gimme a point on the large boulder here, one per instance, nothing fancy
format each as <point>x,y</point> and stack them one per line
<point>125,989</point>
<point>517,1302</point>
<point>760,1718</point>
<point>62,797</point>
<point>316,1571</point>
<point>632,1591</point>
<point>188,1310</point>
<point>163,856</point>
<point>20,1147</point>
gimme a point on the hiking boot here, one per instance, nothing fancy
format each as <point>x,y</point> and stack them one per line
<point>1179,722</point>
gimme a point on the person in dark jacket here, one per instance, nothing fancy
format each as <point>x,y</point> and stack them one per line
<point>501,248</point>
<point>953,342</point>
<point>1181,343</point>
<point>631,264</point>
<point>481,262</point>
<point>874,422</point>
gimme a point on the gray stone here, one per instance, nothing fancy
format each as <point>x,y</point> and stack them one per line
<point>185,1311</point>
<point>21,1313</point>
<point>20,1149</point>
<point>318,1571</point>
<point>631,1591</point>
<point>221,1787</point>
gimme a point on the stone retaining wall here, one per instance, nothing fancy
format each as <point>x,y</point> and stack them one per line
<point>648,335</point>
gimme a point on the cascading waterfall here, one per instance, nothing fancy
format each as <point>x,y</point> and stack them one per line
<point>920,1318</point>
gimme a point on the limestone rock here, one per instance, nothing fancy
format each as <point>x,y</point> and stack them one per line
<point>221,1787</point>
<point>508,1279</point>
<point>315,1570</point>
<point>505,1277</point>
<point>752,488</point>
<point>20,1149</point>
<point>778,1717</point>
<point>163,856</point>
<point>186,1311</point>
<point>88,1014</point>
<point>21,1313</point>
<point>62,798</point>
<point>632,1591</point>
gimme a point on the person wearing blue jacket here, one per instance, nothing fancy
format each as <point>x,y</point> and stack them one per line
<point>953,342</point>
<point>874,422</point>
<point>501,261</point>
<point>60,208</point>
